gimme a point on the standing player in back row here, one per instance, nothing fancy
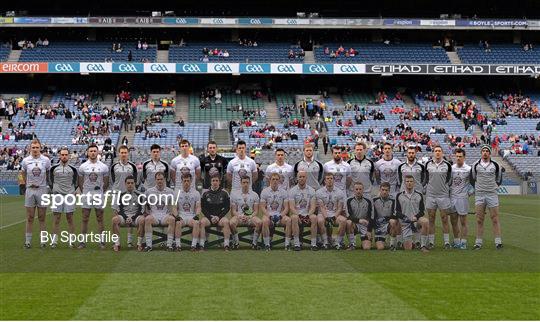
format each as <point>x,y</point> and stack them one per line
<point>459,194</point>
<point>340,169</point>
<point>63,180</point>
<point>282,168</point>
<point>153,166</point>
<point>412,167</point>
<point>362,170</point>
<point>313,168</point>
<point>486,177</point>
<point>35,170</point>
<point>212,164</point>
<point>438,181</point>
<point>93,180</point>
<point>387,169</point>
<point>123,169</point>
<point>185,163</point>
<point>241,166</point>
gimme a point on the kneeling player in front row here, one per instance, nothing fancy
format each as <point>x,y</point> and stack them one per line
<point>384,218</point>
<point>410,211</point>
<point>302,206</point>
<point>360,217</point>
<point>215,205</point>
<point>160,211</point>
<point>128,215</point>
<point>244,210</point>
<point>188,208</point>
<point>275,207</point>
<point>330,200</point>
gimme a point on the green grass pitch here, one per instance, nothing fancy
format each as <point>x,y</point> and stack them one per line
<point>94,284</point>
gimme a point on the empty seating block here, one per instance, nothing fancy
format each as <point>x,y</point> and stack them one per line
<point>499,54</point>
<point>381,53</point>
<point>263,53</point>
<point>86,52</point>
<point>4,52</point>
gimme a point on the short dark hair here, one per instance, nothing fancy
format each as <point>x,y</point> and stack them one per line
<point>389,144</point>
<point>130,177</point>
<point>362,144</point>
<point>280,150</point>
<point>155,146</point>
<point>411,147</point>
<point>123,147</point>
<point>187,176</point>
<point>385,184</point>
<point>244,178</point>
<point>159,173</point>
<point>460,150</point>
<point>211,142</point>
<point>437,147</point>
<point>409,177</point>
<point>91,145</point>
<point>184,141</point>
<point>328,174</point>
<point>241,142</point>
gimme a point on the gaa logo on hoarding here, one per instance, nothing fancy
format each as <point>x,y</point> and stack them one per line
<point>159,68</point>
<point>191,68</point>
<point>348,69</point>
<point>317,69</point>
<point>254,68</point>
<point>127,68</point>
<point>217,21</point>
<point>286,68</point>
<point>63,68</point>
<point>95,68</point>
<point>181,21</point>
<point>222,68</point>
<point>255,21</point>
<point>292,22</point>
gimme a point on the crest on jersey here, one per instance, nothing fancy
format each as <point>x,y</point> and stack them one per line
<point>457,181</point>
<point>186,207</point>
<point>213,171</point>
<point>302,203</point>
<point>184,170</point>
<point>330,205</point>
<point>93,177</point>
<point>36,171</point>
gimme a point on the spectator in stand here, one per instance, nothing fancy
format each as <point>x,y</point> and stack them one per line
<point>45,42</point>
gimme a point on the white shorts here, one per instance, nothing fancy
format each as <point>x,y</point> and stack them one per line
<point>461,205</point>
<point>90,202</point>
<point>160,220</point>
<point>32,196</point>
<point>64,208</point>
<point>362,231</point>
<point>489,200</point>
<point>408,229</point>
<point>187,219</point>
<point>133,224</point>
<point>443,203</point>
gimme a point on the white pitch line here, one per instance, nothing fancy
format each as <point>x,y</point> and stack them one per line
<point>519,216</point>
<point>13,224</point>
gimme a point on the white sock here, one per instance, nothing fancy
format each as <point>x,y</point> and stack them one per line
<point>117,242</point>
<point>446,238</point>
<point>28,238</point>
<point>296,241</point>
<point>54,239</point>
<point>400,238</point>
<point>325,239</point>
<point>139,240</point>
<point>478,241</point>
<point>287,241</point>
<point>319,238</point>
<point>431,239</point>
<point>226,242</point>
<point>149,239</point>
<point>423,240</point>
<point>352,240</point>
<point>314,241</point>
<point>339,239</point>
<point>170,238</point>
<point>392,241</point>
<point>255,238</point>
<point>457,241</point>
<point>235,238</point>
<point>417,237</point>
<point>177,242</point>
<point>202,241</point>
<point>194,242</point>
<point>266,241</point>
<point>130,238</point>
<point>464,241</point>
<point>498,240</point>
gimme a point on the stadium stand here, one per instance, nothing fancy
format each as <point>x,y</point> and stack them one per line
<point>167,134</point>
<point>498,54</point>
<point>382,53</point>
<point>4,52</point>
<point>87,52</point>
<point>263,53</point>
<point>203,106</point>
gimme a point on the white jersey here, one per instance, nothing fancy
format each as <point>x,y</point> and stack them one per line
<point>341,172</point>
<point>460,181</point>
<point>302,198</point>
<point>187,203</point>
<point>183,166</point>
<point>388,171</point>
<point>159,201</point>
<point>93,174</point>
<point>331,200</point>
<point>239,168</point>
<point>244,201</point>
<point>36,170</point>
<point>275,200</point>
<point>285,171</point>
